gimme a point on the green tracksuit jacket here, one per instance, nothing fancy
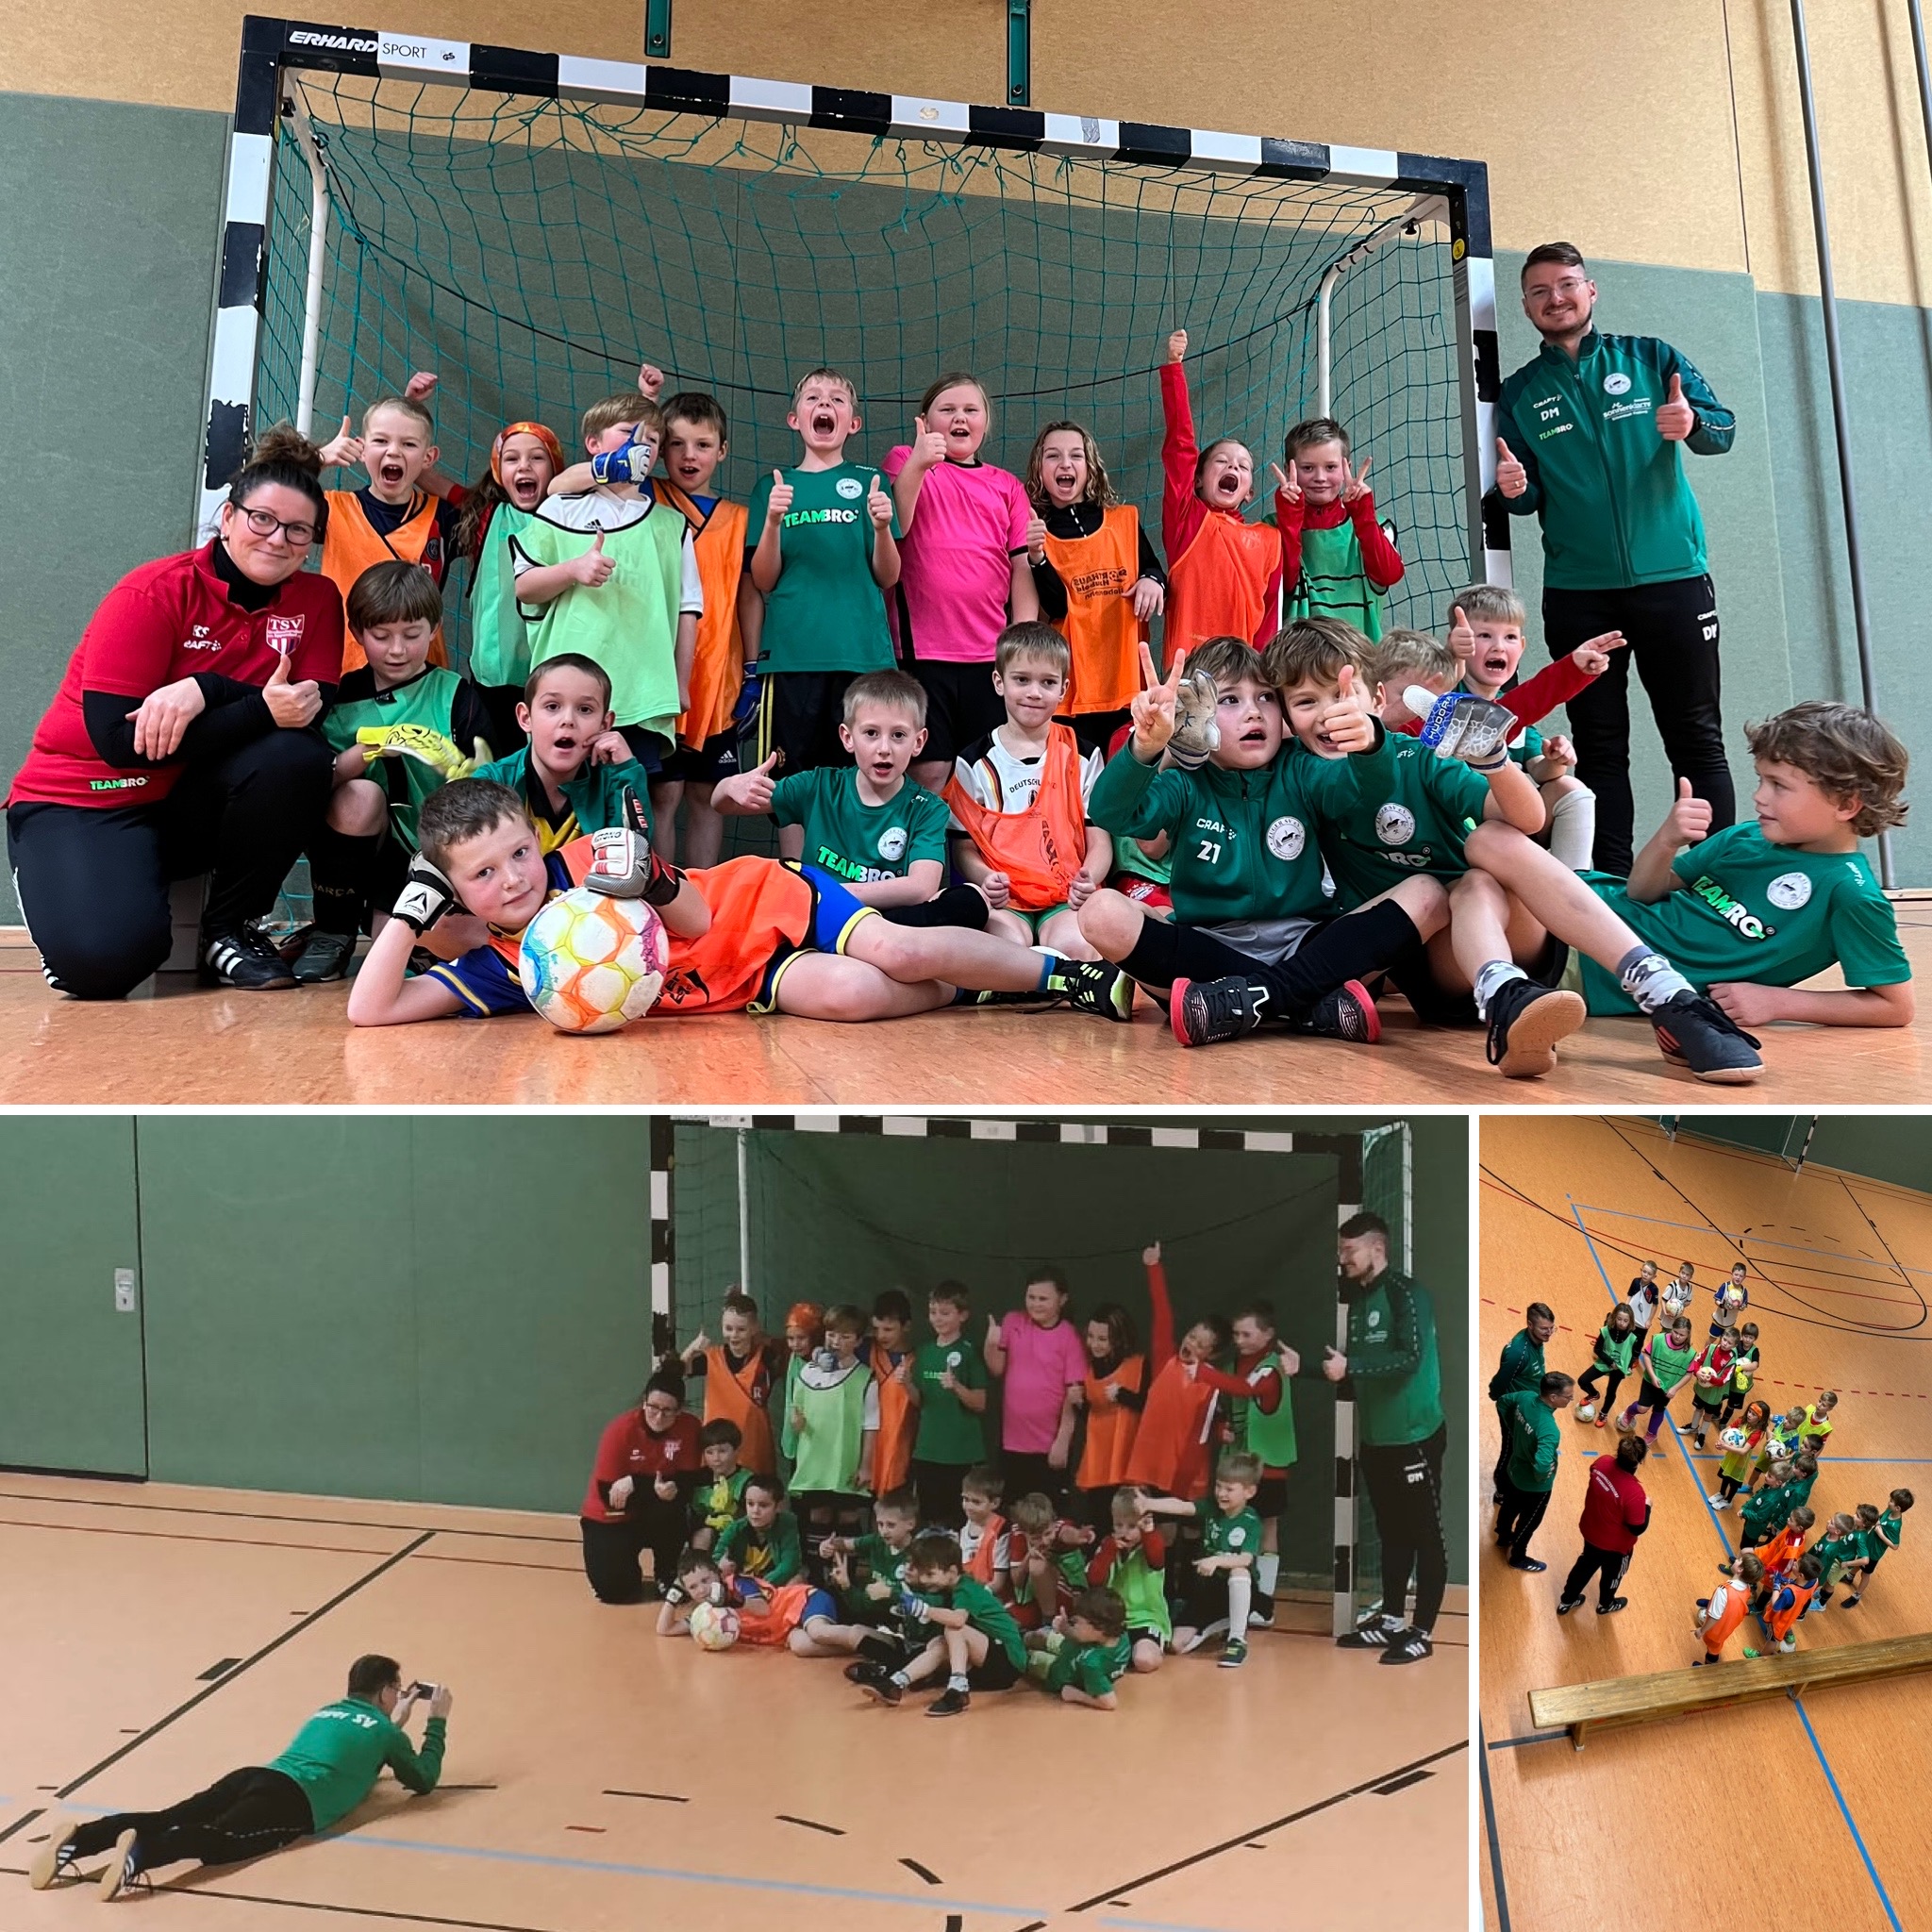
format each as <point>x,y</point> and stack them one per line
<point>1616,507</point>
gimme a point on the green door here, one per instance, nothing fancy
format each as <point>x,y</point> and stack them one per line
<point>73,1387</point>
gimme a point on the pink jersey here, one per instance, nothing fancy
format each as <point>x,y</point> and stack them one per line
<point>1042,1365</point>
<point>958,559</point>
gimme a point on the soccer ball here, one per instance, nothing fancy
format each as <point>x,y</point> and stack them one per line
<point>1735,1439</point>
<point>713,1627</point>
<point>590,964</point>
<point>1587,1413</point>
<point>1709,1378</point>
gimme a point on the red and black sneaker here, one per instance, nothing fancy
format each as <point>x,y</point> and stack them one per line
<point>1695,1032</point>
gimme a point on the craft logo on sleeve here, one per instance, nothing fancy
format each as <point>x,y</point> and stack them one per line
<point>1286,838</point>
<point>1395,825</point>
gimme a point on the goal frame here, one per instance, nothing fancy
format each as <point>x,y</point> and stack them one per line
<point>1347,1149</point>
<point>272,46</point>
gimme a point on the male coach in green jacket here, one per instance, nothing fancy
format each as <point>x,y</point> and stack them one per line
<point>1590,438</point>
<point>328,1770</point>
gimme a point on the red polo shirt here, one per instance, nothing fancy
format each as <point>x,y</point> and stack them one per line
<point>629,1448</point>
<point>1615,1506</point>
<point>166,620</point>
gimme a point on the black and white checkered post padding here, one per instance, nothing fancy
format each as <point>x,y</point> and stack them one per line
<point>269,45</point>
<point>1345,1149</point>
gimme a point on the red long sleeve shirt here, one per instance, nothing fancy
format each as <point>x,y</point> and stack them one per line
<point>1380,558</point>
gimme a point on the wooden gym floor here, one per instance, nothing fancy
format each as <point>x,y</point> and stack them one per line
<point>190,1045</point>
<point>600,1778</point>
<point>1670,1818</point>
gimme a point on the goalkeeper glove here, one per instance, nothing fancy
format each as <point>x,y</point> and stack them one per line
<point>415,742</point>
<point>915,1609</point>
<point>1196,729</point>
<point>426,895</point>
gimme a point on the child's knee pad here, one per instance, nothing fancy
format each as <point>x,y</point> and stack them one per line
<point>1573,826</point>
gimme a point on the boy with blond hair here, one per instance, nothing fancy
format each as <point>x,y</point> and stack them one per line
<point>1253,937</point>
<point>824,550</point>
<point>1335,559</point>
<point>611,574</point>
<point>1019,799</point>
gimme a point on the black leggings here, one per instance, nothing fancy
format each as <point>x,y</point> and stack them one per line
<point>1026,1474</point>
<point>240,1816</point>
<point>1332,954</point>
<point>1404,1486</point>
<point>1606,1566</point>
<point>938,1484</point>
<point>1587,1383</point>
<point>93,885</point>
<point>611,1549</point>
<point>1673,629</point>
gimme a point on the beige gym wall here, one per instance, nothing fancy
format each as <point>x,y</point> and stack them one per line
<point>1656,131</point>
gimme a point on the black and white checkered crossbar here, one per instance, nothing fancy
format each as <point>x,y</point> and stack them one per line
<point>269,46</point>
<point>1345,1149</point>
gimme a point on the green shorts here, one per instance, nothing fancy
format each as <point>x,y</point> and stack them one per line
<point>1034,920</point>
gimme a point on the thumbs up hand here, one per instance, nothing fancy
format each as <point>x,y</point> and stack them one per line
<point>878,506</point>
<point>1512,479</point>
<point>779,501</point>
<point>929,446</point>
<point>341,448</point>
<point>1348,724</point>
<point>294,706</point>
<point>1690,819</point>
<point>1461,632</point>
<point>592,567</point>
<point>750,790</point>
<point>1675,419</point>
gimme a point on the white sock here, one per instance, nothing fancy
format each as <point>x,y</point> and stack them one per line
<point>1649,978</point>
<point>1240,1594</point>
<point>956,1682</point>
<point>1268,1570</point>
<point>1497,973</point>
<point>1573,828</point>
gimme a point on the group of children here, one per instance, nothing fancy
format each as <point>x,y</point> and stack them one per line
<point>1770,1460</point>
<point>850,1502</point>
<point>941,676</point>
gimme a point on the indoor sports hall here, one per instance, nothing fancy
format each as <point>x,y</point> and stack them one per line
<point>287,220</point>
<point>245,1443</point>
<point>1815,1757</point>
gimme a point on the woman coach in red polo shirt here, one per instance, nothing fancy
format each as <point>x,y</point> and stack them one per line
<point>640,1493</point>
<point>180,741</point>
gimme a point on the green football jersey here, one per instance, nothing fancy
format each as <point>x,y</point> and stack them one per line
<point>1751,911</point>
<point>1094,1667</point>
<point>825,612</point>
<point>853,840</point>
<point>1239,1535</point>
<point>1411,812</point>
<point>949,1432</point>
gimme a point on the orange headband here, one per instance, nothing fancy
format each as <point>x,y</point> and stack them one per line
<point>546,437</point>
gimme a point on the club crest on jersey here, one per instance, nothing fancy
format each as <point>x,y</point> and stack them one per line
<point>1616,384</point>
<point>850,488</point>
<point>893,844</point>
<point>1789,890</point>
<point>284,634</point>
<point>1374,1318</point>
<point>1286,839</point>
<point>1395,825</point>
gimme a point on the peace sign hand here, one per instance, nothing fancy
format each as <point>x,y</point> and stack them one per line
<point>1354,485</point>
<point>1288,483</point>
<point>1154,705</point>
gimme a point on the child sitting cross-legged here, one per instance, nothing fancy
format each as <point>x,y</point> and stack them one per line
<point>1019,802</point>
<point>400,727</point>
<point>1253,937</point>
<point>573,769</point>
<point>1081,1662</point>
<point>1221,1589</point>
<point>970,1636</point>
<point>750,933</point>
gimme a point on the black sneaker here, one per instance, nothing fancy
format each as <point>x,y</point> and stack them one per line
<point>1565,1604</point>
<point>1234,1653</point>
<point>1534,1565</point>
<point>325,956</point>
<point>1262,1616</point>
<point>1526,1020</point>
<point>244,960</point>
<point>1373,1633</point>
<point>121,1871</point>
<point>949,1704</point>
<point>1347,1013</point>
<point>1204,1012</point>
<point>54,1859</point>
<point>1615,1604</point>
<point>1094,985</point>
<point>882,1650</point>
<point>1409,1647</point>
<point>877,1682</point>
<point>1697,1033</point>
<point>857,1674</point>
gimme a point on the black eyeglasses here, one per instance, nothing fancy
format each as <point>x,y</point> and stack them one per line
<point>265,523</point>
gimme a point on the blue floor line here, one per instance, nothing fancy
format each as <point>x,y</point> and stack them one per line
<point>1482,1759</point>
<point>1846,1811</point>
<point>1737,1239</point>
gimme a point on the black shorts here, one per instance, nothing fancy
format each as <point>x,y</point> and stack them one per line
<point>1206,1598</point>
<point>1271,1499</point>
<point>1094,730</point>
<point>998,1673</point>
<point>645,746</point>
<point>799,713</point>
<point>717,758</point>
<point>960,705</point>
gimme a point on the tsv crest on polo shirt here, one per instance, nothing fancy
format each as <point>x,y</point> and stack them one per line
<point>1394,824</point>
<point>849,487</point>
<point>893,844</point>
<point>284,634</point>
<point>1286,838</point>
<point>1789,890</point>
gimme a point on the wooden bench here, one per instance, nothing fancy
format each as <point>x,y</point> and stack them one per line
<point>1581,1708</point>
